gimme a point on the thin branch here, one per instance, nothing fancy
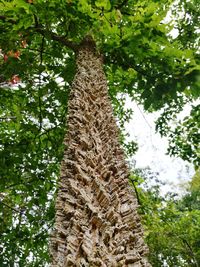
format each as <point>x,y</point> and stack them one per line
<point>144,116</point>
<point>12,185</point>
<point>190,251</point>
<point>25,183</point>
<point>136,192</point>
<point>127,13</point>
<point>4,204</point>
<point>39,97</point>
<point>37,50</point>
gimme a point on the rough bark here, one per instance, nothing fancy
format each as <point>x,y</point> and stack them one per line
<point>96,212</point>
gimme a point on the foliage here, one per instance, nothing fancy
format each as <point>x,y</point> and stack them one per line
<point>38,40</point>
<point>184,135</point>
<point>172,223</point>
<point>182,138</point>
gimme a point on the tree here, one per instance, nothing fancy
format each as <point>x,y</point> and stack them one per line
<point>96,219</point>
<point>140,59</point>
<point>171,221</point>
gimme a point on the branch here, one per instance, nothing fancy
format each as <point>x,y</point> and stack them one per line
<point>136,192</point>
<point>58,38</point>
<point>41,30</point>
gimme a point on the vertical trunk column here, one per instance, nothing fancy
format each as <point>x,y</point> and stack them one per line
<point>96,212</point>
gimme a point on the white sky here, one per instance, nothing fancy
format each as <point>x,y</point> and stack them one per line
<point>152,150</point>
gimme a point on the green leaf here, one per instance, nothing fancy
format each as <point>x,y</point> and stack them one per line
<point>103,4</point>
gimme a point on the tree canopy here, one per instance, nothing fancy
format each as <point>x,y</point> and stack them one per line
<point>142,59</point>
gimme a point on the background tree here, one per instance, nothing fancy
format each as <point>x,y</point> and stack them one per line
<point>141,59</point>
<point>171,221</point>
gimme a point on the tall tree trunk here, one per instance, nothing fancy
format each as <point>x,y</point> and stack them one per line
<point>96,212</point>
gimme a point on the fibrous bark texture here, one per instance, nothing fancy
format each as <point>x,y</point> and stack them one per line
<point>96,212</point>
